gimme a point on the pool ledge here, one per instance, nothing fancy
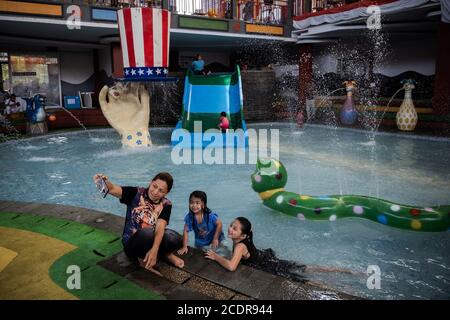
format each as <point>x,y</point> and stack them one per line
<point>199,279</point>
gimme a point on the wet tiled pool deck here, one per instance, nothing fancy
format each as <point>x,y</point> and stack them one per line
<point>199,279</point>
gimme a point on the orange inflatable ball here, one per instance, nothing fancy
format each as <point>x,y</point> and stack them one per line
<point>52,117</point>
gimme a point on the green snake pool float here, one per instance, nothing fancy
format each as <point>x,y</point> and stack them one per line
<point>270,178</point>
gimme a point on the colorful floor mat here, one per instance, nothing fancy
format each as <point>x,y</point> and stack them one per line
<point>40,257</point>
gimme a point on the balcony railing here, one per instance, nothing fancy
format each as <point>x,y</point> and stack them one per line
<point>301,7</point>
<point>254,11</point>
<point>206,8</point>
<point>119,3</point>
<point>263,11</point>
<point>259,11</point>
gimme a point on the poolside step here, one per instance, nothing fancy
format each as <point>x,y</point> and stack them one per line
<point>176,284</point>
<point>204,279</point>
<point>199,279</point>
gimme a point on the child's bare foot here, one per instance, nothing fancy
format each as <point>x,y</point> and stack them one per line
<point>142,264</point>
<point>177,262</point>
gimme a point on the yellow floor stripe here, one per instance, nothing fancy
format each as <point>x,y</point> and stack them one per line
<point>27,275</point>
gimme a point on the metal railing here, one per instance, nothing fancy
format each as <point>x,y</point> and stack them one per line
<point>206,8</point>
<point>255,11</point>
<point>117,3</point>
<point>301,7</point>
<point>263,11</point>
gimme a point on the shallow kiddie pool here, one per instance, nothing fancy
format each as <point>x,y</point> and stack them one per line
<point>320,160</point>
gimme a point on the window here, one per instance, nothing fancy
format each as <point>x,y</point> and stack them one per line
<point>36,74</point>
<point>4,71</point>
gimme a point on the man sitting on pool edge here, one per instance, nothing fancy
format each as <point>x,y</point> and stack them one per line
<point>145,237</point>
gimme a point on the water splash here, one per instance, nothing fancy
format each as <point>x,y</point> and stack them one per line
<point>340,174</point>
<point>122,152</point>
<point>163,97</point>
<point>30,148</point>
<point>101,140</point>
<point>44,159</point>
<point>59,194</point>
<point>12,132</point>
<point>57,140</point>
<point>322,102</point>
<point>387,108</point>
<point>13,136</point>
<point>368,143</point>
<point>77,120</point>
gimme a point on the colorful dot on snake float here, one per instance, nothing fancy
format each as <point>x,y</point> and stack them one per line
<point>52,117</point>
<point>382,219</point>
<point>414,212</point>
<point>279,199</point>
<point>358,210</point>
<point>416,224</point>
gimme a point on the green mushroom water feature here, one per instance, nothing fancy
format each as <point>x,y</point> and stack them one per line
<point>270,178</point>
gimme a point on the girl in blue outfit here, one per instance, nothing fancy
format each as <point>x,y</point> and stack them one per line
<point>206,224</point>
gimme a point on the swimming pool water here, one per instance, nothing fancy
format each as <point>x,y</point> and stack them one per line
<point>320,160</point>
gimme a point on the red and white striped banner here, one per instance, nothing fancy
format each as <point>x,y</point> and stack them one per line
<point>144,37</point>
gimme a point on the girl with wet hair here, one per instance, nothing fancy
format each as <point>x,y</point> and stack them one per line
<point>240,232</point>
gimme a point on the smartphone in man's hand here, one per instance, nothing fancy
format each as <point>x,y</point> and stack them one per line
<point>102,187</point>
